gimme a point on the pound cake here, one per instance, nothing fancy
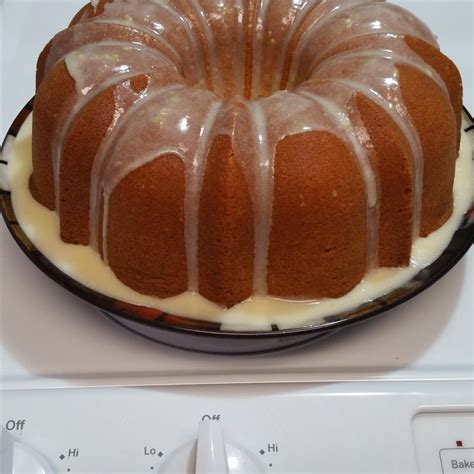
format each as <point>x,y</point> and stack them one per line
<point>240,148</point>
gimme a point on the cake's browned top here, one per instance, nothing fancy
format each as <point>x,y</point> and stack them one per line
<point>311,123</point>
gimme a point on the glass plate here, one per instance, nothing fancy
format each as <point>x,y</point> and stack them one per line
<point>208,336</point>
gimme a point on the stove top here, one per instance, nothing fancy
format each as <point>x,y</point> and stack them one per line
<point>395,394</point>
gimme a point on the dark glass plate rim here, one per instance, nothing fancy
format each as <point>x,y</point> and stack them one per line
<point>458,247</point>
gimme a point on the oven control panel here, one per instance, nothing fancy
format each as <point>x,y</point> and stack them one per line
<point>445,439</point>
<point>394,427</point>
<point>210,453</point>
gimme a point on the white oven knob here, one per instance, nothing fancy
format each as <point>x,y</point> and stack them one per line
<point>16,458</point>
<point>211,454</point>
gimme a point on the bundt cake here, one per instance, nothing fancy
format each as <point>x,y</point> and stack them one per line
<point>246,147</point>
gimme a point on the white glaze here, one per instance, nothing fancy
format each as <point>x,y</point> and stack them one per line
<point>343,122</point>
<point>105,155</point>
<point>195,166</point>
<point>95,69</point>
<point>302,11</point>
<point>210,41</point>
<point>192,51</point>
<point>262,198</point>
<point>85,265</point>
<point>323,15</point>
<point>257,47</point>
<point>5,154</point>
<point>342,21</point>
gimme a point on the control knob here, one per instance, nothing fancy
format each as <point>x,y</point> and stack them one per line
<point>18,458</point>
<point>211,454</point>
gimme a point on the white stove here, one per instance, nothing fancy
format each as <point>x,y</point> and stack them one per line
<point>82,395</point>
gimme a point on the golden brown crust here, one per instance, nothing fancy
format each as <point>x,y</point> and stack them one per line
<point>197,27</point>
<point>273,37</point>
<point>249,20</point>
<point>446,69</point>
<point>448,72</point>
<point>313,13</point>
<point>146,248</point>
<point>51,97</point>
<point>318,242</point>
<point>101,32</point>
<point>433,117</point>
<point>41,64</point>
<point>394,167</point>
<point>77,159</point>
<point>226,236</point>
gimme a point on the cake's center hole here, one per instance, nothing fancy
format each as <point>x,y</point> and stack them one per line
<point>253,73</point>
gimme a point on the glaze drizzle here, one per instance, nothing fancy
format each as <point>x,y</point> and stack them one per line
<point>187,43</point>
